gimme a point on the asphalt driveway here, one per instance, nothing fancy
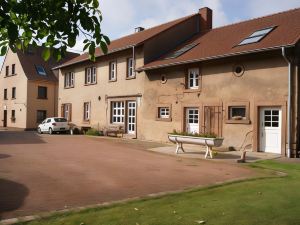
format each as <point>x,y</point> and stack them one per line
<point>40,173</point>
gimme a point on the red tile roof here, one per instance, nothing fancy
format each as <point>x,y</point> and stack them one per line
<point>223,41</point>
<point>129,41</point>
<point>30,59</point>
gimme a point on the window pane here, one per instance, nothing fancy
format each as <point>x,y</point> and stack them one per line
<point>275,124</point>
<point>267,124</point>
<point>251,40</point>
<point>237,112</point>
<point>261,32</point>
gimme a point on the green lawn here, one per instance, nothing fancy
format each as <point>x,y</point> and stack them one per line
<point>261,201</point>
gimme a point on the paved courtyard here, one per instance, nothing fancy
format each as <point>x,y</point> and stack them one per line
<point>41,173</point>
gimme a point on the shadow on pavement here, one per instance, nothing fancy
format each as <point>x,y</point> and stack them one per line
<point>20,137</point>
<point>12,195</point>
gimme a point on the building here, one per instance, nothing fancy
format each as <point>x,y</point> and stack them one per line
<point>29,88</point>
<point>239,81</point>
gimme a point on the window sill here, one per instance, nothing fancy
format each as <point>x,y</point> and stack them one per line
<point>68,87</point>
<point>86,121</point>
<point>192,90</point>
<point>10,75</point>
<point>13,98</point>
<point>90,84</point>
<point>238,121</point>
<point>164,119</point>
<point>42,98</point>
<point>131,78</point>
<point>5,99</point>
<point>112,80</point>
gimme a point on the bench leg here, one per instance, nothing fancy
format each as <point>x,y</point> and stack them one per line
<point>179,147</point>
<point>208,151</point>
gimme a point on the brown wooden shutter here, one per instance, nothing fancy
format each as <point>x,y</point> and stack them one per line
<point>70,113</point>
<point>62,110</point>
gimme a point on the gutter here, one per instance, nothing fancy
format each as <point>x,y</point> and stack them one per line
<point>213,57</point>
<point>289,110</point>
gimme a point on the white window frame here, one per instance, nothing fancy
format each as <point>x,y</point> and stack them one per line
<point>66,111</point>
<point>164,112</point>
<point>69,80</point>
<point>193,77</point>
<point>130,65</point>
<point>118,112</point>
<point>90,75</point>
<point>87,111</point>
<point>113,71</point>
<point>94,75</point>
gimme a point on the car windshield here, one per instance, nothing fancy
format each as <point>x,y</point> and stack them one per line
<point>60,120</point>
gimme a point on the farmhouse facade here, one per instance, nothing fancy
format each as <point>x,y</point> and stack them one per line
<point>239,81</point>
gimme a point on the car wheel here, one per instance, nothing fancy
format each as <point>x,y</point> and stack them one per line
<point>50,131</point>
<point>39,130</point>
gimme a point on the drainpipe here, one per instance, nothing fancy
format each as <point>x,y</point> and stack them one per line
<point>289,117</point>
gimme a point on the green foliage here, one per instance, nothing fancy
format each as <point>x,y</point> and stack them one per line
<point>204,135</point>
<point>54,24</point>
<point>93,132</point>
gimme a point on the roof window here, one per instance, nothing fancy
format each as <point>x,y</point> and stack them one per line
<point>41,70</point>
<point>181,51</point>
<point>256,36</point>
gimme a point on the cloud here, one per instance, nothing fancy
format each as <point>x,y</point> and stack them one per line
<point>256,8</point>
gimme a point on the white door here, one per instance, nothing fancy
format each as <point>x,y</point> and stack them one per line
<point>192,120</point>
<point>270,130</point>
<point>131,114</point>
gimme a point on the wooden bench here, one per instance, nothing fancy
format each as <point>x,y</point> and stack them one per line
<point>115,130</point>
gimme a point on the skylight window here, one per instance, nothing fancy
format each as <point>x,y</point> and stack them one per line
<point>181,51</point>
<point>41,70</point>
<point>256,36</point>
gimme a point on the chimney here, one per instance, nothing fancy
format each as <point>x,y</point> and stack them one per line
<point>205,19</point>
<point>139,29</point>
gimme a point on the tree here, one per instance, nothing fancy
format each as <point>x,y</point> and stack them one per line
<point>53,23</point>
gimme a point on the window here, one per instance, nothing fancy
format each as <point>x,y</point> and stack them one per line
<point>40,70</point>
<point>5,94</point>
<point>13,93</point>
<point>112,71</point>
<point>41,115</point>
<point>193,78</point>
<point>42,92</point>
<point>90,75</point>
<point>13,69</point>
<point>69,80</point>
<point>238,112</point>
<point>13,114</point>
<point>60,120</point>
<point>256,36</point>
<point>271,118</point>
<point>66,111</point>
<point>7,71</point>
<point>164,112</point>
<point>86,111</point>
<point>118,112</point>
<point>130,72</point>
<point>181,51</point>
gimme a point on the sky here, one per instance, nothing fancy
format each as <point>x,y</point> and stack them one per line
<point>120,17</point>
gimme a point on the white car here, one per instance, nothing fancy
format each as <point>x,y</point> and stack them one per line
<point>53,124</point>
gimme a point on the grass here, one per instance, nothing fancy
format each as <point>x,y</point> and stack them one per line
<point>273,200</point>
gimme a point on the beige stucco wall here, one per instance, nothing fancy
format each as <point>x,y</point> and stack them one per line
<point>20,103</point>
<point>265,81</point>
<point>34,104</point>
<point>100,109</point>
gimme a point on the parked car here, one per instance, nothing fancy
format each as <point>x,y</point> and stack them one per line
<point>53,124</point>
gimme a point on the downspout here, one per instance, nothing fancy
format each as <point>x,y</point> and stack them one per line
<point>289,117</point>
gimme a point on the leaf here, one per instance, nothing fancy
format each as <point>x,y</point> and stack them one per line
<point>46,54</point>
<point>95,3</point>
<point>3,50</point>
<point>103,46</point>
<point>107,40</point>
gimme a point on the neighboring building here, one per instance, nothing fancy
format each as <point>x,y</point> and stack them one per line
<point>29,88</point>
<point>184,75</point>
